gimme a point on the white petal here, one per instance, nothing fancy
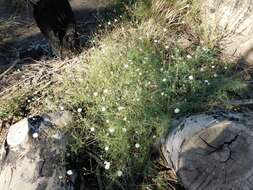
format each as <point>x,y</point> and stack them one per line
<point>70,172</point>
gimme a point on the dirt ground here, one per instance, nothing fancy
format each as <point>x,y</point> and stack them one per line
<point>23,35</point>
<point>23,49</point>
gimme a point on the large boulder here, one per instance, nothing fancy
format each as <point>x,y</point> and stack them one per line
<point>56,21</point>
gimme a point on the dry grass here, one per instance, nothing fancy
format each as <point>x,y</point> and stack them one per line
<point>28,83</point>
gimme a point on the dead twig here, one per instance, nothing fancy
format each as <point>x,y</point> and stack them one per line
<point>10,68</point>
<point>241,102</point>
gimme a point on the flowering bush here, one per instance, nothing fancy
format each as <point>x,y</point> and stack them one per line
<point>133,86</point>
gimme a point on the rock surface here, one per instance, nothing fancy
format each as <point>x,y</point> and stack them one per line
<point>230,21</point>
<point>213,151</point>
<point>32,157</point>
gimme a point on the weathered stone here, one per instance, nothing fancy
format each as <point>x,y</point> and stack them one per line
<point>212,151</point>
<point>35,162</point>
<point>18,133</point>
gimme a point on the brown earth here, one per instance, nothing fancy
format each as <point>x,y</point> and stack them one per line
<point>23,49</point>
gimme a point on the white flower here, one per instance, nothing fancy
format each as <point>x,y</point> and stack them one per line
<point>103,109</point>
<point>165,29</point>
<point>109,23</point>
<point>162,93</point>
<point>207,82</point>
<point>226,68</point>
<point>107,121</point>
<point>120,108</point>
<point>35,135</point>
<point>79,110</point>
<point>106,148</point>
<point>60,177</point>
<point>189,56</point>
<point>167,47</point>
<point>140,74</point>
<point>115,20</point>
<point>137,145</point>
<point>100,25</point>
<point>177,110</point>
<point>119,173</point>
<point>202,69</point>
<point>154,137</point>
<point>156,41</point>
<point>213,66</point>
<point>161,69</point>
<point>126,66</point>
<point>124,130</point>
<point>191,77</point>
<point>95,94</point>
<point>105,91</point>
<point>70,172</point>
<point>92,129</point>
<point>138,99</point>
<point>111,130</point>
<point>125,118</point>
<point>215,75</point>
<point>61,108</point>
<point>164,80</point>
<point>57,136</point>
<point>205,49</point>
<point>107,165</point>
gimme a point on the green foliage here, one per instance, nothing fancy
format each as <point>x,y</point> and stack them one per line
<point>143,9</point>
<point>132,88</point>
<point>16,107</point>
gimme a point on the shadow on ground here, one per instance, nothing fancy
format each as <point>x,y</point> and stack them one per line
<point>22,39</point>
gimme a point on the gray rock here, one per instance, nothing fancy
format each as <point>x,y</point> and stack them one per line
<point>32,157</point>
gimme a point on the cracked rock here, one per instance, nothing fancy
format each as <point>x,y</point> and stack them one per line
<point>210,152</point>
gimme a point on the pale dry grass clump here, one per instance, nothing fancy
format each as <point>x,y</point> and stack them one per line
<point>29,82</point>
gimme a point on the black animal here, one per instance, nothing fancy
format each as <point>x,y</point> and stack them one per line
<point>56,21</point>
